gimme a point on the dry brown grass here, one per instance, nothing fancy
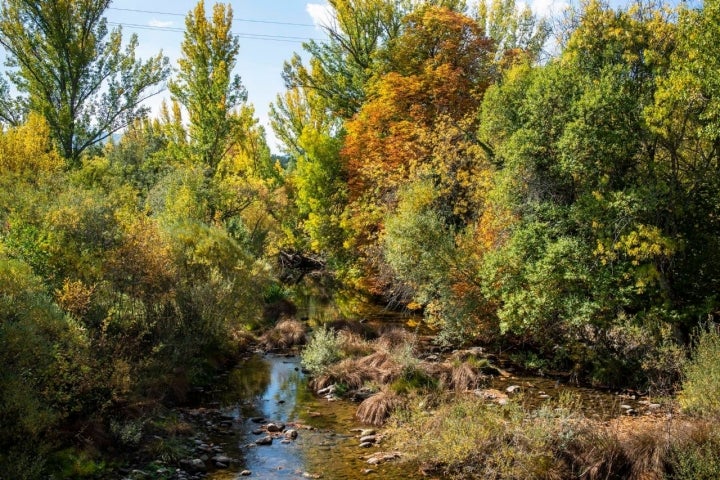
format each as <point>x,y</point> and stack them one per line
<point>394,337</point>
<point>354,344</point>
<point>379,368</point>
<point>634,448</point>
<point>465,376</point>
<point>286,334</point>
<point>376,409</point>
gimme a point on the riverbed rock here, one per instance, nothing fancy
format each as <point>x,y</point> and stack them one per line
<point>381,457</point>
<point>493,395</point>
<point>291,434</point>
<point>258,419</point>
<point>327,390</point>
<point>366,444</point>
<point>368,438</point>
<point>224,459</point>
<point>194,465</point>
<point>275,427</point>
<point>266,440</point>
<point>513,389</point>
<point>245,473</point>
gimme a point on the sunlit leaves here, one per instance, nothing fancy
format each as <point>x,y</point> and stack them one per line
<point>205,85</point>
<point>74,72</point>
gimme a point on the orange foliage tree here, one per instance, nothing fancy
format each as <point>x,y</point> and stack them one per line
<point>419,123</point>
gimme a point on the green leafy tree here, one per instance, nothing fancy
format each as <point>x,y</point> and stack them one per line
<point>341,67</point>
<point>205,85</point>
<point>74,72</point>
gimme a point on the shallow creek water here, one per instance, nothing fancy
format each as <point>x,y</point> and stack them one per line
<point>272,387</point>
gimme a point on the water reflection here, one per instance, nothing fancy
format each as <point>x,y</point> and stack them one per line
<point>274,388</point>
<point>247,381</point>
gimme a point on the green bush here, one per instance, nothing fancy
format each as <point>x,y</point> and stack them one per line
<point>696,460</point>
<point>469,438</point>
<point>700,392</point>
<point>322,351</point>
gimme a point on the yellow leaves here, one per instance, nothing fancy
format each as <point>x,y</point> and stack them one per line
<point>27,149</point>
<point>643,248</point>
<point>74,297</point>
<point>645,243</point>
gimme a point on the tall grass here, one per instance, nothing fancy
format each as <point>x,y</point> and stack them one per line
<point>700,394</point>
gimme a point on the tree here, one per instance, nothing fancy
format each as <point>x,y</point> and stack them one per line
<point>85,85</point>
<point>419,124</point>
<point>340,68</point>
<point>205,85</point>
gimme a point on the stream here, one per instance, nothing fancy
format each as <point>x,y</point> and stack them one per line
<point>271,388</point>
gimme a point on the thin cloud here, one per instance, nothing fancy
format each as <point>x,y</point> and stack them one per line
<point>160,23</point>
<point>321,14</point>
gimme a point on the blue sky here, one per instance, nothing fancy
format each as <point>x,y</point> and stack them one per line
<point>263,26</point>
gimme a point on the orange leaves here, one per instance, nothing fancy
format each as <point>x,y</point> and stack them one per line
<point>440,67</point>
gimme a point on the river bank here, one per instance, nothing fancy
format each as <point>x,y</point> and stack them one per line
<point>396,406</point>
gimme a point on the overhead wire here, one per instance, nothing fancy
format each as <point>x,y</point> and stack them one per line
<point>252,36</point>
<point>248,20</point>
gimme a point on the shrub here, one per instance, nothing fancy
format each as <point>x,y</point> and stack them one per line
<point>376,409</point>
<point>700,392</point>
<point>468,438</point>
<point>322,351</point>
<point>696,460</point>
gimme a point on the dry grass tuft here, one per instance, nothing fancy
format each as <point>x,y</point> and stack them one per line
<point>354,344</point>
<point>465,376</point>
<point>635,448</point>
<point>376,409</point>
<point>287,333</point>
<point>378,368</point>
<point>394,337</point>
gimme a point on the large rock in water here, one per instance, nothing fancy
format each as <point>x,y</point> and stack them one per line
<point>275,427</point>
<point>194,465</point>
<point>266,440</point>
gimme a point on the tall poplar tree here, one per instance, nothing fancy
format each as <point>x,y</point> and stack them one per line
<point>74,71</point>
<point>205,85</point>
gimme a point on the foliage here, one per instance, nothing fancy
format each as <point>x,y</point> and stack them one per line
<point>86,86</point>
<point>699,393</point>
<point>695,460</point>
<point>205,85</point>
<point>46,369</point>
<point>322,351</point>
<point>469,438</point>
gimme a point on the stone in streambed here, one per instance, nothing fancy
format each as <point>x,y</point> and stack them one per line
<point>368,439</point>
<point>266,440</point>
<point>275,427</point>
<point>222,459</point>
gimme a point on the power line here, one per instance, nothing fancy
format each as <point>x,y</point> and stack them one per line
<point>247,20</point>
<point>251,36</point>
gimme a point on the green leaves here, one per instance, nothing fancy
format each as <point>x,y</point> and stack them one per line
<point>75,75</point>
<point>205,85</point>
